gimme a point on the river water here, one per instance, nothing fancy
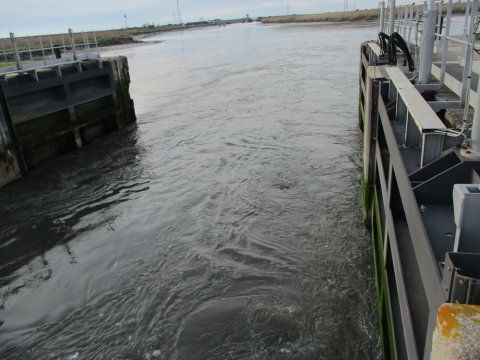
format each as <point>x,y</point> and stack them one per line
<point>225,225</point>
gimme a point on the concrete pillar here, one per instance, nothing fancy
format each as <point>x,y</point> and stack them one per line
<point>457,334</point>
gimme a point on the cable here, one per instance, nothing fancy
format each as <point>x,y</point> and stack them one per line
<point>383,39</point>
<point>398,41</point>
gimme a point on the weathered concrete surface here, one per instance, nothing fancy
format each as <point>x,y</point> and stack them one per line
<point>457,335</point>
<point>56,109</point>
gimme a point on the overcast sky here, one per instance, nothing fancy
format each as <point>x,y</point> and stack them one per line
<point>31,17</point>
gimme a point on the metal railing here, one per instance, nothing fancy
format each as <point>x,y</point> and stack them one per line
<point>427,30</point>
<point>25,53</point>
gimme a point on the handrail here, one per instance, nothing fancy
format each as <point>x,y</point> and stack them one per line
<point>46,52</point>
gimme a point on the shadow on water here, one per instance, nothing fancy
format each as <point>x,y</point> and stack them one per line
<point>226,226</point>
<point>50,203</point>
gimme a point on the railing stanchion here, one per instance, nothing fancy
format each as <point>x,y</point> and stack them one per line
<point>72,42</point>
<point>391,20</point>
<point>15,51</point>
<point>445,43</point>
<point>381,23</point>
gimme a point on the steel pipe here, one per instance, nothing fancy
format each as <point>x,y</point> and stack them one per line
<point>428,41</point>
<point>391,20</point>
<point>381,25</point>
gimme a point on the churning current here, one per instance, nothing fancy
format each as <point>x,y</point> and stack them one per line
<point>226,224</point>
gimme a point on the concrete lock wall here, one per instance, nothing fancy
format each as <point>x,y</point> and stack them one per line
<point>56,109</point>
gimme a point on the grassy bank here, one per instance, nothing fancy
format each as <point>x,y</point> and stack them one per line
<point>342,16</point>
<point>104,37</point>
<point>6,64</point>
<point>125,36</point>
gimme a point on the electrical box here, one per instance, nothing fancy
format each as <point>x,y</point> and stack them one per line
<point>466,208</point>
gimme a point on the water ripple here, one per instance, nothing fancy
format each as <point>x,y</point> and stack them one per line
<point>226,225</point>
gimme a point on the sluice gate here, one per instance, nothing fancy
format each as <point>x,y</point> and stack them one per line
<point>57,94</point>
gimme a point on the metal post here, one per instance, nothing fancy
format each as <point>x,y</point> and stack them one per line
<point>64,46</point>
<point>438,29</point>
<point>41,47</point>
<point>396,13</point>
<point>4,52</point>
<point>72,42</point>
<point>381,24</point>
<point>475,137</point>
<point>29,49</point>
<point>428,41</point>
<point>400,20</point>
<point>410,25</point>
<point>445,42</point>
<point>469,53</point>
<point>391,20</point>
<point>51,45</point>
<point>465,22</point>
<point>15,51</point>
<point>467,16</point>
<point>95,39</point>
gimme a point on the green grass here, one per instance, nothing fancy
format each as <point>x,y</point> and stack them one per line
<point>104,37</point>
<point>9,63</point>
<point>343,16</point>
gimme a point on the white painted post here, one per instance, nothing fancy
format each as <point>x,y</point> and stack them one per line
<point>410,25</point>
<point>391,20</point>
<point>15,51</point>
<point>29,49</point>
<point>396,23</point>
<point>428,41</point>
<point>475,137</point>
<point>400,20</point>
<point>381,24</point>
<point>51,45</point>
<point>467,17</point>
<point>41,47</point>
<point>85,40</point>
<point>72,42</point>
<point>445,42</point>
<point>4,52</point>
<point>466,78</point>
